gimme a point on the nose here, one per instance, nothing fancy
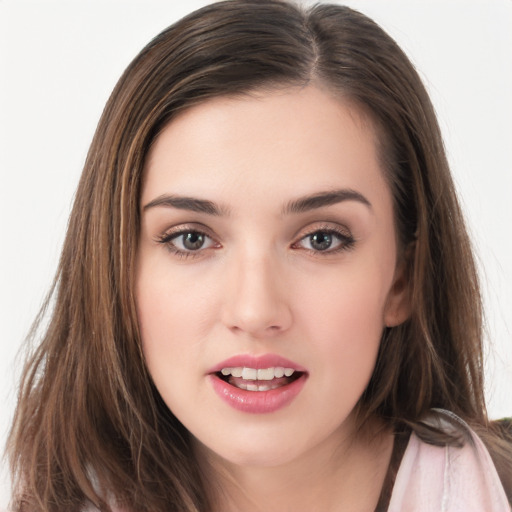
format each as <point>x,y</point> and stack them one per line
<point>256,301</point>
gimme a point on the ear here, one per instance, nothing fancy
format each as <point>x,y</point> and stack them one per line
<point>398,304</point>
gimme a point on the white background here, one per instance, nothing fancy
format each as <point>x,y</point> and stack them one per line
<point>59,60</point>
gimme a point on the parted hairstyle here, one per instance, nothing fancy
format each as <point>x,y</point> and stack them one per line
<point>90,426</point>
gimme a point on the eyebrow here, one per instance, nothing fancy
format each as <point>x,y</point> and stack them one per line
<point>300,205</point>
<point>321,199</point>
<point>187,203</point>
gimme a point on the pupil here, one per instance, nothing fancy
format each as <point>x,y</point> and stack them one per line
<point>321,241</point>
<point>193,241</point>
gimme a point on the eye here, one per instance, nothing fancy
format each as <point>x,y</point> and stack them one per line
<point>320,241</point>
<point>187,242</point>
<point>191,241</point>
<point>325,240</point>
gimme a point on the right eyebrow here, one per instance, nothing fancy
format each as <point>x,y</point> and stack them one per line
<point>192,204</point>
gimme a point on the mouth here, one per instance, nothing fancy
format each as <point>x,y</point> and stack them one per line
<point>258,379</point>
<point>262,384</point>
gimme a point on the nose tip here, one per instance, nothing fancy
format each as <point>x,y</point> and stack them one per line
<point>256,302</point>
<point>258,323</point>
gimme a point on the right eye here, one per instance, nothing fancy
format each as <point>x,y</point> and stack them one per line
<point>187,242</point>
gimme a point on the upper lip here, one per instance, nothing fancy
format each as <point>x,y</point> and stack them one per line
<point>258,362</point>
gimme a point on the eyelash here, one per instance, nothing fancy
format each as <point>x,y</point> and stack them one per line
<point>345,239</point>
<point>168,238</point>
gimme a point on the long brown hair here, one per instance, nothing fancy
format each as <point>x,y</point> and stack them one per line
<point>90,426</point>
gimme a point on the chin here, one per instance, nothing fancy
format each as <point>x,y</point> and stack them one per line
<point>261,459</point>
<point>262,449</point>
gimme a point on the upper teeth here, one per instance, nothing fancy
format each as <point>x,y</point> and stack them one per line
<point>258,374</point>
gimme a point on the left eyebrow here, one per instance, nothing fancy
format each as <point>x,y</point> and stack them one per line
<point>321,199</point>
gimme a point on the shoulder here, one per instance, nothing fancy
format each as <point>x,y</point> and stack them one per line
<point>448,478</point>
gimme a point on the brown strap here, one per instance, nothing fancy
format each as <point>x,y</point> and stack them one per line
<point>399,446</point>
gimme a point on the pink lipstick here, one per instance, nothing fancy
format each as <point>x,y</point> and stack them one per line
<point>258,385</point>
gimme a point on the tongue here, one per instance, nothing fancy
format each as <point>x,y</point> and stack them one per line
<point>274,383</point>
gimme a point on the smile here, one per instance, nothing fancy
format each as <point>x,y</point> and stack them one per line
<point>258,385</point>
<point>258,379</point>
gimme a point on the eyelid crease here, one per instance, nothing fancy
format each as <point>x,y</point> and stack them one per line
<point>324,225</point>
<point>194,227</point>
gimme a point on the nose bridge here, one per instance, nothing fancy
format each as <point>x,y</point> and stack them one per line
<point>257,302</point>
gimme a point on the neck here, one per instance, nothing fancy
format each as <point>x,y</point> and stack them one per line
<point>343,473</point>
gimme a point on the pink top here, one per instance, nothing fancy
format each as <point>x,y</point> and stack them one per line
<point>448,479</point>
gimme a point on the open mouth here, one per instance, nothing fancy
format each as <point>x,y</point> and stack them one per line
<point>261,379</point>
<point>258,384</point>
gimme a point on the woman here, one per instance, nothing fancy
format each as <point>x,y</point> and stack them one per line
<point>266,298</point>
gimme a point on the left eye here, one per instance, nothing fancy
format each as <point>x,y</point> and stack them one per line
<point>189,241</point>
<point>324,240</point>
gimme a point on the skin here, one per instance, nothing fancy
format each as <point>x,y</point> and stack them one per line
<point>258,285</point>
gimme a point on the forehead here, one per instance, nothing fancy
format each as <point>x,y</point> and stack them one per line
<point>280,142</point>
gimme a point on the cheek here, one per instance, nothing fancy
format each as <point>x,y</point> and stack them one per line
<point>170,304</point>
<point>154,324</point>
<point>163,319</point>
<point>344,319</point>
<point>169,333</point>
<point>156,310</point>
<point>348,302</point>
<point>175,311</point>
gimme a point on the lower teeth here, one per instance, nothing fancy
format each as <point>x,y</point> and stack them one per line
<point>252,385</point>
<point>257,387</point>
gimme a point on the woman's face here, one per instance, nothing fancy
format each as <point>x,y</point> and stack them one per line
<point>267,248</point>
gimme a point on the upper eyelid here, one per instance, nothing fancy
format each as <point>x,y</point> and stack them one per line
<point>167,240</point>
<point>185,228</point>
<point>329,226</point>
<point>343,237</point>
<point>313,227</point>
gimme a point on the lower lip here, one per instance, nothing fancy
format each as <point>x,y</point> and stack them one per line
<point>257,402</point>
